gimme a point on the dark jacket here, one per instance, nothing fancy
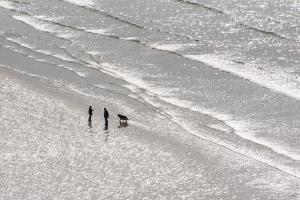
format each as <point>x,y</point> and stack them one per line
<point>106,114</point>
<point>91,111</point>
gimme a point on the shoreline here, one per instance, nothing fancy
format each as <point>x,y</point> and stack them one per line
<point>196,130</point>
<point>132,146</point>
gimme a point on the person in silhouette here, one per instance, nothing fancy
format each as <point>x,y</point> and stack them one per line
<point>106,116</point>
<point>90,114</point>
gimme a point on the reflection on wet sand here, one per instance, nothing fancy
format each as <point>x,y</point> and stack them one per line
<point>123,124</point>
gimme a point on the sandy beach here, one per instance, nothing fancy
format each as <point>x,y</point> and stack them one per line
<point>49,152</point>
<point>211,90</point>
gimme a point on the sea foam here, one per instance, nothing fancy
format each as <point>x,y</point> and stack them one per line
<point>276,80</point>
<point>7,5</point>
<point>37,24</point>
<point>98,31</point>
<point>170,47</point>
<point>82,2</point>
<point>34,23</point>
<point>231,124</point>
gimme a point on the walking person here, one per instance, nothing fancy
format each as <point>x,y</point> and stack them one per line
<point>90,114</point>
<point>106,116</point>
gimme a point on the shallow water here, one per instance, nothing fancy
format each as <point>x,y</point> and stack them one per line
<point>225,71</point>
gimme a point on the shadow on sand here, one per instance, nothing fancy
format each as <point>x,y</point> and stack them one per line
<point>90,124</point>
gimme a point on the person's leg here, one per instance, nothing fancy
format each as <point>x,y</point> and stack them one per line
<point>106,124</point>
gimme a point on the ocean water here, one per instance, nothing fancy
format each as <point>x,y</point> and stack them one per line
<point>225,71</point>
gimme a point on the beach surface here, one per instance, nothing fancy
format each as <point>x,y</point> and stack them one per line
<point>48,151</point>
<point>211,90</point>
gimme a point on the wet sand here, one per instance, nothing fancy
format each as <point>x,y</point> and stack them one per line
<point>48,151</point>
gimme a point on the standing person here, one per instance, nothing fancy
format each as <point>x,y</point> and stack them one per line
<point>106,116</point>
<point>90,114</point>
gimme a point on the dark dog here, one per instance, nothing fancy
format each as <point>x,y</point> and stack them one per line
<point>123,118</point>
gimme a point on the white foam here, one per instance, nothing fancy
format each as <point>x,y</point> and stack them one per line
<point>64,57</point>
<point>170,47</point>
<point>7,5</point>
<point>66,35</point>
<point>131,38</point>
<point>231,124</point>
<point>43,51</point>
<point>130,78</point>
<point>234,126</point>
<point>41,60</point>
<point>82,2</point>
<point>239,127</point>
<point>59,56</point>
<point>43,26</point>
<point>292,170</point>
<point>98,31</point>
<point>34,23</point>
<point>277,80</point>
<point>50,28</point>
<point>21,43</point>
<point>79,73</point>
<point>219,127</point>
<point>243,130</point>
<point>82,74</point>
<point>131,87</point>
<point>13,49</point>
<point>24,72</point>
<point>133,96</point>
<point>136,82</point>
<point>94,53</point>
<point>48,18</point>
